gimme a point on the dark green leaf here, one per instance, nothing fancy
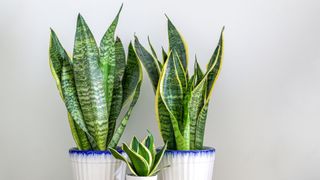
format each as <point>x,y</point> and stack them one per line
<point>116,103</point>
<point>176,43</point>
<point>108,59</point>
<point>90,83</point>
<point>214,65</point>
<point>149,62</point>
<point>171,92</point>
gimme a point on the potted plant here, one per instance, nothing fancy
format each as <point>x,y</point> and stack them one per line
<point>143,160</point>
<point>95,84</point>
<point>181,104</point>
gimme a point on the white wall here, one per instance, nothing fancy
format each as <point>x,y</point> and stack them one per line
<point>265,116</point>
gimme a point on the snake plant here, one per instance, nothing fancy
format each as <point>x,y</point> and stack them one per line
<point>95,83</point>
<point>181,99</point>
<point>143,157</point>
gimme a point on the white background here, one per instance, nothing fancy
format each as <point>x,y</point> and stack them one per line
<point>264,119</point>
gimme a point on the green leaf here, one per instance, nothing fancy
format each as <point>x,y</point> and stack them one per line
<point>195,105</point>
<point>152,49</point>
<point>145,153</point>
<point>117,155</point>
<point>171,92</point>
<point>70,95</point>
<point>184,119</point>
<point>90,83</point>
<point>57,56</point>
<point>176,43</point>
<point>198,72</point>
<point>200,128</point>
<point>214,65</point>
<point>116,137</point>
<point>149,62</point>
<point>134,144</point>
<point>157,160</point>
<point>132,75</point>
<point>149,143</point>
<point>140,164</point>
<point>182,75</point>
<point>108,59</point>
<point>154,54</point>
<point>164,55</point>
<point>131,90</point>
<point>117,96</point>
<point>79,135</point>
<point>164,121</point>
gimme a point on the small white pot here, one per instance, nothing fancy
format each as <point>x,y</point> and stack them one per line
<point>96,165</point>
<point>130,177</point>
<point>188,165</point>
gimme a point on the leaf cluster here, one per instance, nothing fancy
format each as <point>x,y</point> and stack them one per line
<point>181,99</point>
<point>95,83</point>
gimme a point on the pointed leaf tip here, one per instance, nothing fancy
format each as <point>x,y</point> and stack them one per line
<point>80,20</point>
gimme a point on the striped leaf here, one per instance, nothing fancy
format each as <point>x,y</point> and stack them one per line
<point>131,90</point>
<point>149,62</point>
<point>197,72</point>
<point>117,135</point>
<point>176,43</point>
<point>182,75</point>
<point>200,128</point>
<point>214,65</point>
<point>90,83</point>
<point>152,49</point>
<point>164,55</point>
<point>164,121</point>
<point>171,92</point>
<point>154,54</point>
<point>108,59</point>
<point>196,103</point>
<point>183,120</point>
<point>57,56</point>
<point>80,136</point>
<point>116,103</point>
<point>140,164</point>
<point>70,95</point>
<point>132,75</point>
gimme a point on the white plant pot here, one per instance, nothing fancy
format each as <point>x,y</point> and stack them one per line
<point>188,165</point>
<point>96,165</point>
<point>130,177</point>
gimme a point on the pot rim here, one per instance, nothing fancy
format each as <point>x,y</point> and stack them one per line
<point>131,175</point>
<point>75,150</point>
<point>206,149</point>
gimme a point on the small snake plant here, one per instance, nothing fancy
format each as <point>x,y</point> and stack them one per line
<point>143,158</point>
<point>95,83</point>
<point>181,99</point>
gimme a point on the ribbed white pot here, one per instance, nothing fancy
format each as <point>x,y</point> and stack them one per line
<point>188,165</point>
<point>130,177</point>
<point>96,165</point>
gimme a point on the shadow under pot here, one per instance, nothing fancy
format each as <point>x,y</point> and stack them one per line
<point>96,165</point>
<point>188,164</point>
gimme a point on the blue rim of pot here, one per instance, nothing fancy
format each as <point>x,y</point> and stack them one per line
<point>205,150</point>
<point>75,150</point>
